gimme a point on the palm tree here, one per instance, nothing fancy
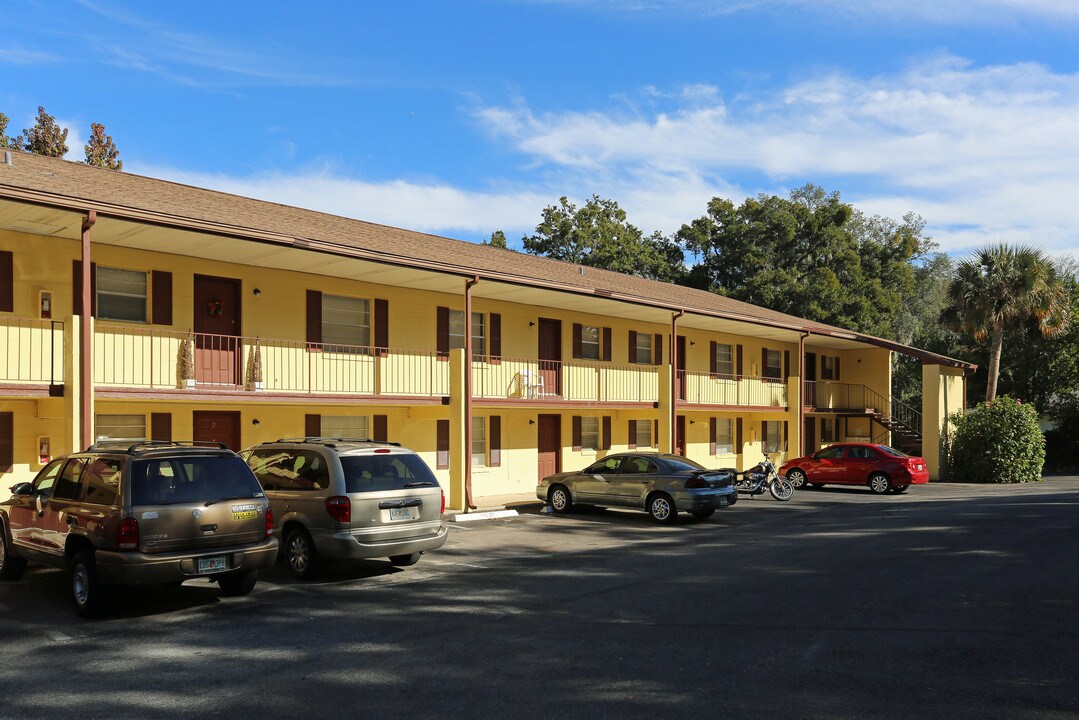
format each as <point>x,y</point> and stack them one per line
<point>1000,287</point>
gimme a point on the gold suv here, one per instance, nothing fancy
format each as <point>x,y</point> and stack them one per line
<point>138,513</point>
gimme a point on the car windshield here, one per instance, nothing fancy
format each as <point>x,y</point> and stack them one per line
<point>892,451</point>
<point>374,473</point>
<point>681,464</point>
<point>191,479</point>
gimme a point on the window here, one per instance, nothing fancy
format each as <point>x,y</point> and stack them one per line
<point>773,441</point>
<point>724,359</point>
<point>128,427</point>
<point>346,426</point>
<point>644,348</point>
<point>102,482</point>
<point>67,486</point>
<point>479,442</point>
<point>346,321</point>
<point>590,342</point>
<point>859,452</point>
<point>827,430</point>
<point>605,466</point>
<point>121,294</point>
<point>773,364</point>
<point>830,453</point>
<point>724,436</point>
<point>479,332</point>
<point>829,368</point>
<point>182,481</point>
<point>301,470</point>
<point>377,473</point>
<point>590,433</point>
<point>46,479</point>
<point>638,466</point>
<point>642,433</point>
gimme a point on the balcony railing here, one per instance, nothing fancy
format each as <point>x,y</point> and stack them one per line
<point>823,395</point>
<point>701,388</point>
<point>33,351</point>
<point>149,358</point>
<point>552,380</point>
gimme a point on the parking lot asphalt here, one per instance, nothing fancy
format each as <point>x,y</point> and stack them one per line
<point>951,601</point>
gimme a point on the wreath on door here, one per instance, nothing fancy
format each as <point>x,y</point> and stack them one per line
<point>216,308</point>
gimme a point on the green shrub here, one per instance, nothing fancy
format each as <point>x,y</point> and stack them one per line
<point>999,441</point>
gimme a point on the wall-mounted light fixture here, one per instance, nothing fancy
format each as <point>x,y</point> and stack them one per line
<point>691,343</point>
<point>531,421</point>
<point>256,292</point>
<point>255,422</point>
<point>531,323</point>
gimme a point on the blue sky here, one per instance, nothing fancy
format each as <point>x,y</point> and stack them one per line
<point>464,117</point>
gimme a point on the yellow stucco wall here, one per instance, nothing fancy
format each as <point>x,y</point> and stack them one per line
<point>942,394</point>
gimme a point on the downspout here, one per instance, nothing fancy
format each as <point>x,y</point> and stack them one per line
<point>469,505</point>
<point>85,349</point>
<point>801,391</point>
<point>674,379</point>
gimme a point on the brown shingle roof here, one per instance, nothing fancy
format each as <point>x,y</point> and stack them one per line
<point>117,193</point>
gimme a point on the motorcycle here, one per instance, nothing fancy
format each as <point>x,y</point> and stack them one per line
<point>763,477</point>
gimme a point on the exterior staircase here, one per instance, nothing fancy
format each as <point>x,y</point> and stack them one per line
<point>898,419</point>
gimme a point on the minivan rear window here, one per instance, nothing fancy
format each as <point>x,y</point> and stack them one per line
<point>175,481</point>
<point>374,473</point>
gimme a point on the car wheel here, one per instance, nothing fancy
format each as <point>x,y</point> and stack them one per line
<point>560,499</point>
<point>85,587</point>
<point>900,489</point>
<point>11,567</point>
<point>241,583</point>
<point>300,554</point>
<point>405,560</point>
<point>797,478</point>
<point>703,514</point>
<point>879,483</point>
<point>661,508</point>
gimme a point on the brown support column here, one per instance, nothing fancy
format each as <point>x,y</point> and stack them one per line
<point>469,505</point>
<point>801,391</point>
<point>674,381</point>
<point>85,349</point>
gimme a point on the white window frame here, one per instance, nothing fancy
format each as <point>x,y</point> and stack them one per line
<point>591,340</point>
<point>644,352</point>
<point>769,355</point>
<point>725,436</point>
<point>647,425</point>
<point>773,431</point>
<point>724,359</point>
<point>128,426</point>
<point>349,426</point>
<point>353,329</point>
<point>479,332</point>
<point>108,293</point>
<point>590,433</point>
<point>479,439</point>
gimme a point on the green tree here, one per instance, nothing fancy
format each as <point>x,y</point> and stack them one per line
<point>1000,288</point>
<point>598,235</point>
<point>46,137</point>
<point>498,240</point>
<point>15,143</point>
<point>101,150</point>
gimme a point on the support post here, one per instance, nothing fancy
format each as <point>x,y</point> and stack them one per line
<point>675,382</point>
<point>469,505</point>
<point>86,341</point>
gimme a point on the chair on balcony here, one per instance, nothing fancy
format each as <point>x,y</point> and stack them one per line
<point>531,384</point>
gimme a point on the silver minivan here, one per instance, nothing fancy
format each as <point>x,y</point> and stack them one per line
<point>349,499</point>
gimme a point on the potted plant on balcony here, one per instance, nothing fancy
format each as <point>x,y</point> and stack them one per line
<point>254,368</point>
<point>185,362</point>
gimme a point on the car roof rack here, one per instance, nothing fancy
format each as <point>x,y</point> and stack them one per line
<point>134,445</point>
<point>332,441</point>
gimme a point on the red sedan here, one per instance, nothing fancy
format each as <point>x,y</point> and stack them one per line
<point>880,467</point>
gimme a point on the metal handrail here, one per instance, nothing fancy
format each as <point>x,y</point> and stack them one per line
<point>848,396</point>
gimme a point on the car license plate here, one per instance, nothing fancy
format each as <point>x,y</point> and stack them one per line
<point>212,564</point>
<point>400,513</point>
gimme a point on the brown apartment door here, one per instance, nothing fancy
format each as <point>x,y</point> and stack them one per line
<point>680,435</point>
<point>681,368</point>
<point>217,426</point>
<point>550,355</point>
<point>810,399</point>
<point>217,330</point>
<point>549,444</point>
<point>809,439</point>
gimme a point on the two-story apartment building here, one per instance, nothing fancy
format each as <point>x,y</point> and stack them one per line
<point>133,307</point>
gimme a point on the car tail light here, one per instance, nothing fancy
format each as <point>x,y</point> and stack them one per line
<point>695,483</point>
<point>127,535</point>
<point>269,521</point>
<point>442,510</point>
<point>339,508</point>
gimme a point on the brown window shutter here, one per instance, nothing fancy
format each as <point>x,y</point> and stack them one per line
<point>442,445</point>
<point>314,317</point>
<point>379,431</point>
<point>312,425</point>
<point>836,373</point>
<point>738,436</point>
<point>712,364</point>
<point>738,360</point>
<point>606,441</point>
<point>632,434</point>
<point>576,432</point>
<point>633,346</point>
<point>495,341</point>
<point>442,332</point>
<point>606,344</point>
<point>712,436</point>
<point>655,433</point>
<point>657,349</point>
<point>76,282</point>
<point>7,442</point>
<point>161,297</point>
<point>161,426</point>
<point>7,281</point>
<point>494,437</point>
<point>786,364</point>
<point>577,332</point>
<point>786,425</point>
<point>764,362</point>
<point>382,326</point>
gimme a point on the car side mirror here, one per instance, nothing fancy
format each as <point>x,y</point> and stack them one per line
<point>23,488</point>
